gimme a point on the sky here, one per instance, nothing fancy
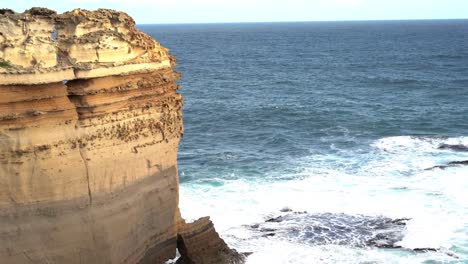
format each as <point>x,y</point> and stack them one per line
<point>216,11</point>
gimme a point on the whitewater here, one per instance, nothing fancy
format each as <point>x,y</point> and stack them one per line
<point>390,181</point>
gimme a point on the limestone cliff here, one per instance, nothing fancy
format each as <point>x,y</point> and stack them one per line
<point>90,122</point>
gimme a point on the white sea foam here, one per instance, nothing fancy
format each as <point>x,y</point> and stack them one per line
<point>391,182</point>
<point>413,143</point>
<point>282,252</point>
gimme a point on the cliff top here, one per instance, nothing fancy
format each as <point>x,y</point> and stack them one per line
<point>41,46</point>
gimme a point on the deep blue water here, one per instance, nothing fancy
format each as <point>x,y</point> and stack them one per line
<point>330,102</point>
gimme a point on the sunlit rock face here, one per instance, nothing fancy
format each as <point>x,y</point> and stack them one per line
<point>90,122</point>
<point>39,46</point>
<point>26,38</point>
<point>28,49</point>
<point>106,42</point>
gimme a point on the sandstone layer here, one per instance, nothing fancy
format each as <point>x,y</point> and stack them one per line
<point>199,243</point>
<point>90,122</point>
<point>39,46</point>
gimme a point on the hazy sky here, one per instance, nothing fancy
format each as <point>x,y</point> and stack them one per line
<point>203,11</point>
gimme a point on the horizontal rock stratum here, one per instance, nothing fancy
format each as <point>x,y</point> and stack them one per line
<point>90,122</point>
<point>39,46</point>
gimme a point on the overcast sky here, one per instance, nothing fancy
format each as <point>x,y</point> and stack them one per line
<point>212,11</point>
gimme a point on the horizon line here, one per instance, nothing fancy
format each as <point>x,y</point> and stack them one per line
<point>304,21</point>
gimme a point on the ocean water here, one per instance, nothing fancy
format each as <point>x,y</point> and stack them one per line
<point>340,120</point>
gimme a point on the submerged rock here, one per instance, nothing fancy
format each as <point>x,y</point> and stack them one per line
<point>340,229</point>
<point>450,164</point>
<point>463,162</point>
<point>456,147</point>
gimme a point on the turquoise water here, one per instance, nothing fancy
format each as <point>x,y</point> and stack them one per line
<point>325,117</point>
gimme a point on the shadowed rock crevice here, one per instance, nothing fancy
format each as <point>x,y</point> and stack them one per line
<point>85,162</point>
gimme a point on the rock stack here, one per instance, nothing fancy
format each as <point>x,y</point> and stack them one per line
<point>198,242</point>
<point>90,122</point>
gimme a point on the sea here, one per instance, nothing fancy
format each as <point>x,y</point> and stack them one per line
<point>326,142</point>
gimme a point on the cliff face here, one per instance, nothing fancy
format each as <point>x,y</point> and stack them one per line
<point>90,123</point>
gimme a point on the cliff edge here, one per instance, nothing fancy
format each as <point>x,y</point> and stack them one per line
<point>90,122</point>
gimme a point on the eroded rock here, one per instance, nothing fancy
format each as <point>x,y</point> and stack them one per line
<point>199,243</point>
<point>90,122</point>
<point>39,46</point>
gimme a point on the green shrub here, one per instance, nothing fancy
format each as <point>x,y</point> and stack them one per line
<point>5,63</point>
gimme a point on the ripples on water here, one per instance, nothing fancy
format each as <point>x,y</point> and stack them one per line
<point>329,118</point>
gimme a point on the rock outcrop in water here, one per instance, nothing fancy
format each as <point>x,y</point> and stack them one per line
<point>450,164</point>
<point>455,147</point>
<point>358,231</point>
<point>339,229</point>
<point>198,242</point>
<point>90,122</point>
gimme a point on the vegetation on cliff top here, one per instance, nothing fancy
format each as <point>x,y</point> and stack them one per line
<point>5,63</point>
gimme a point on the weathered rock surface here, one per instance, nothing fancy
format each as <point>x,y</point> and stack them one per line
<point>199,243</point>
<point>339,229</point>
<point>39,46</point>
<point>455,147</point>
<point>90,122</point>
